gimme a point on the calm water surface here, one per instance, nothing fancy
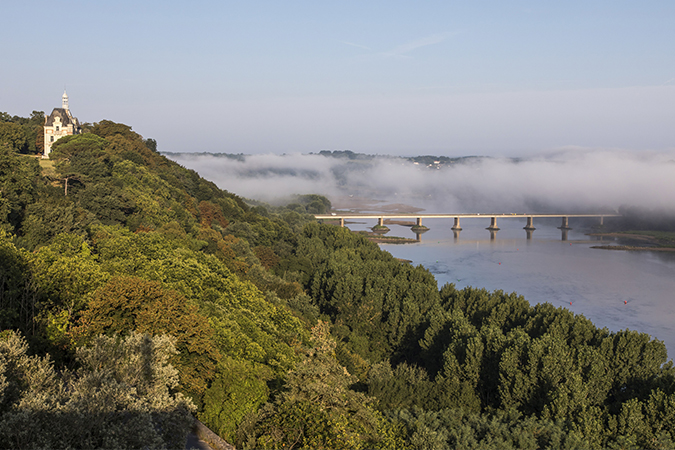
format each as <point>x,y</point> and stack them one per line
<point>545,268</point>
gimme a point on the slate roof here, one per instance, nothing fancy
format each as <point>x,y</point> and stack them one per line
<point>66,119</point>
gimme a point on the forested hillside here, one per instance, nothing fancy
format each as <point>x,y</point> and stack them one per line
<point>134,293</point>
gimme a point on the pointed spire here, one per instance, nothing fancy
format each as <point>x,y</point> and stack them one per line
<point>64,100</point>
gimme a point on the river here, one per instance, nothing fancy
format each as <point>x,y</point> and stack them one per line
<point>615,289</point>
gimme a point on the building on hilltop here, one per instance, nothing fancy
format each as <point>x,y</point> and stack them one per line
<point>58,124</point>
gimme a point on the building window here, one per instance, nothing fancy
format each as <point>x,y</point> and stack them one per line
<point>51,138</point>
<point>57,128</point>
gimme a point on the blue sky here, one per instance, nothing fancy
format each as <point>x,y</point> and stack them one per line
<point>389,77</point>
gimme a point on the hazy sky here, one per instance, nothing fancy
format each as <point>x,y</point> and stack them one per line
<point>390,77</point>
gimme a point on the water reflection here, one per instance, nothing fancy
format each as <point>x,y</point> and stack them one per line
<point>615,289</point>
<point>493,234</point>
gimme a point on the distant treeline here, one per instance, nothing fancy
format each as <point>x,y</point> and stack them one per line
<point>134,293</point>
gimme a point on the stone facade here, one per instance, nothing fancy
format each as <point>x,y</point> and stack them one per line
<point>58,124</point>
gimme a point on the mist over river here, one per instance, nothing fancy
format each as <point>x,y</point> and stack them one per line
<point>614,289</point>
<point>569,274</point>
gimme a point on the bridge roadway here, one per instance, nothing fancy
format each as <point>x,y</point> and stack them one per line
<point>493,218</point>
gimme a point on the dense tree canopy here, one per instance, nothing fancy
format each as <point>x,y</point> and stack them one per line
<point>283,332</point>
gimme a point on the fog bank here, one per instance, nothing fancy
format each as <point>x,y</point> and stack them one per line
<point>569,180</point>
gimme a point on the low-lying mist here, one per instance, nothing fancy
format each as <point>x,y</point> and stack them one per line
<point>570,180</point>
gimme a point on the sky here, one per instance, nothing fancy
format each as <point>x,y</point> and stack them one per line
<point>497,78</point>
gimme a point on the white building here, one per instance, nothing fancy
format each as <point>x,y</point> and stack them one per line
<point>58,124</point>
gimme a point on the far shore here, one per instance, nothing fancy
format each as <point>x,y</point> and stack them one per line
<point>660,245</point>
<point>630,248</point>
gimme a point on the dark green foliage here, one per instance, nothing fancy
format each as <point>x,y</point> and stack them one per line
<point>18,187</point>
<point>151,144</point>
<point>318,410</point>
<point>24,135</point>
<point>108,128</point>
<point>454,429</point>
<point>546,363</point>
<point>118,238</point>
<point>404,387</point>
<point>236,393</point>
<point>51,216</point>
<point>13,137</point>
<point>313,203</point>
<point>377,303</point>
<point>109,202</point>
<point>17,295</point>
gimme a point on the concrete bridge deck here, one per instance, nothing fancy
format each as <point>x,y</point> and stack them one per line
<point>456,227</point>
<point>336,216</point>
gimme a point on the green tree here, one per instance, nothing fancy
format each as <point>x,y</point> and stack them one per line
<point>122,396</point>
<point>318,410</point>
<point>236,393</point>
<point>126,304</point>
<point>379,305</point>
<point>66,274</point>
<point>17,294</point>
<point>18,187</point>
<point>13,137</point>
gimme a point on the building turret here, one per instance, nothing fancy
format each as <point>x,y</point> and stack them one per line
<point>58,124</point>
<point>64,100</point>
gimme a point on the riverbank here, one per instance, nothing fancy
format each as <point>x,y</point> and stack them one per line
<point>380,239</point>
<point>632,248</point>
<point>657,241</point>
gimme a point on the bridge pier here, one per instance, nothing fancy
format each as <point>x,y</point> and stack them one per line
<point>342,221</point>
<point>530,224</point>
<point>602,220</point>
<point>380,221</point>
<point>565,224</point>
<point>456,225</point>
<point>419,221</point>
<point>493,225</point>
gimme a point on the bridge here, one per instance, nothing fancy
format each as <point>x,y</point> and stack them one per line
<point>493,228</point>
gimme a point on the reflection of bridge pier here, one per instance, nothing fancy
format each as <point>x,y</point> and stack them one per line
<point>417,217</point>
<point>529,227</point>
<point>493,228</point>
<point>455,234</point>
<point>564,233</point>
